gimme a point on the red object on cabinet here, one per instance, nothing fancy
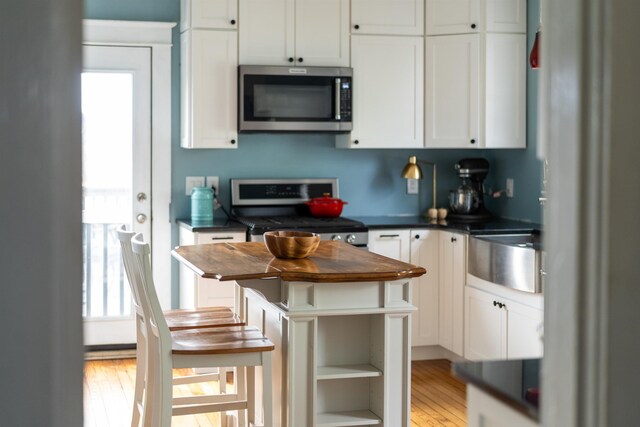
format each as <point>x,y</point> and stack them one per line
<point>534,57</point>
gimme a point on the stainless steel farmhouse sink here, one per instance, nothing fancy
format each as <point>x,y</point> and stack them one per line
<point>511,260</point>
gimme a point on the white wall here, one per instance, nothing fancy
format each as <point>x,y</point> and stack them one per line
<point>40,214</point>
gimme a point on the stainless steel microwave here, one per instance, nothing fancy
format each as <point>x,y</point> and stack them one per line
<point>303,99</point>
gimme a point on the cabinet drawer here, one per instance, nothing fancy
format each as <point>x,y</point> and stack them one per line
<point>219,237</point>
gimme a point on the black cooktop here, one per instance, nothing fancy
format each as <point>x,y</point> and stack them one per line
<point>266,223</point>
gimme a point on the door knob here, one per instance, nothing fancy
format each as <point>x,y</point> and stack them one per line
<point>141,218</point>
<point>141,197</point>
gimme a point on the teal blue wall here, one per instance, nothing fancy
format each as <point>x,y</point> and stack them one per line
<point>369,179</point>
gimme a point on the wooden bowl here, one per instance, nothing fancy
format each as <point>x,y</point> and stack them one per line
<point>291,244</point>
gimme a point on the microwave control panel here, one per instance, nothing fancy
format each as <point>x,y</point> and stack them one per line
<point>345,99</point>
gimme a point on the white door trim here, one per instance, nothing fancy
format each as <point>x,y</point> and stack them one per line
<point>157,36</point>
<point>590,132</point>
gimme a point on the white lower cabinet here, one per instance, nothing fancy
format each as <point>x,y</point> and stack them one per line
<point>421,248</point>
<point>499,327</point>
<point>486,326</point>
<point>425,253</point>
<point>198,292</point>
<point>452,269</point>
<point>391,243</point>
<point>483,410</point>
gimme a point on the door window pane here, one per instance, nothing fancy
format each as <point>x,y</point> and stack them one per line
<point>107,155</point>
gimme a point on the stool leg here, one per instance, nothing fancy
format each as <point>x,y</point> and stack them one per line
<point>250,394</point>
<point>267,390</point>
<point>141,374</point>
<point>240,383</point>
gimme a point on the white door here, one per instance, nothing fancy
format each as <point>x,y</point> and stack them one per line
<point>116,182</point>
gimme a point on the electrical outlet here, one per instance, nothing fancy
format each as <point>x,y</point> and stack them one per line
<point>412,186</point>
<point>509,187</point>
<point>193,181</point>
<point>213,182</point>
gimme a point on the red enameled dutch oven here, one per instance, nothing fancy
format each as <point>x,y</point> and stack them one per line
<point>325,206</point>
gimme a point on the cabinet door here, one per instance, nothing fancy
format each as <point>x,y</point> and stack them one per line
<point>203,14</point>
<point>424,253</point>
<point>483,410</point>
<point>451,289</point>
<point>322,32</point>
<point>198,292</point>
<point>505,91</point>
<point>452,92</point>
<point>453,16</point>
<point>404,17</point>
<point>390,243</point>
<point>523,333</point>
<point>266,33</point>
<point>485,326</point>
<point>209,77</point>
<point>388,92</point>
<point>506,16</point>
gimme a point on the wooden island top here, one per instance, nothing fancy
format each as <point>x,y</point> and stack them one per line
<point>332,262</point>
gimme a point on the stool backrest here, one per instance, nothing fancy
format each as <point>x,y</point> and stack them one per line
<point>128,260</point>
<point>158,332</point>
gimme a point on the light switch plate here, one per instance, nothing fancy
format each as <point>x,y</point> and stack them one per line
<point>193,181</point>
<point>509,187</point>
<point>213,181</point>
<point>412,186</point>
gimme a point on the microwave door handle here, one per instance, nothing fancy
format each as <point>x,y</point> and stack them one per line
<point>337,99</point>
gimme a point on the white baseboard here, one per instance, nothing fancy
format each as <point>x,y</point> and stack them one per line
<point>431,352</point>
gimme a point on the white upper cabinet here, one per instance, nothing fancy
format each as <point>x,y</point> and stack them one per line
<point>208,14</point>
<point>388,92</point>
<point>475,74</point>
<point>300,32</point>
<point>472,16</point>
<point>399,17</point>
<point>453,16</point>
<point>452,113</point>
<point>506,16</point>
<point>505,99</point>
<point>209,74</point>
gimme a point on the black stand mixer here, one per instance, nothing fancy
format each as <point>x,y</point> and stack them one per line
<point>467,202</point>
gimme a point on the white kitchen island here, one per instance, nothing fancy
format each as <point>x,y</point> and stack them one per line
<point>340,321</point>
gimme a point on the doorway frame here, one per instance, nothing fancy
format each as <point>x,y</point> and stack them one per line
<point>158,37</point>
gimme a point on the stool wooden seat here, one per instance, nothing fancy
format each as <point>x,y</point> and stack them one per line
<point>231,340</point>
<point>238,346</point>
<point>201,318</point>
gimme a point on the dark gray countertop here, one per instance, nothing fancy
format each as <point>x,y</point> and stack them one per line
<point>493,226</point>
<point>513,382</point>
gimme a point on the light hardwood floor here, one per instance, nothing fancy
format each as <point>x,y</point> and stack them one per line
<point>437,399</point>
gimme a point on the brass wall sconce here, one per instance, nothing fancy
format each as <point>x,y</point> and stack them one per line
<point>413,171</point>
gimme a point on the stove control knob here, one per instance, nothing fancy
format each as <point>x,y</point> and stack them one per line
<point>336,237</point>
<point>351,239</point>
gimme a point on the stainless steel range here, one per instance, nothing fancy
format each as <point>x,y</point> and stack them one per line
<point>278,204</point>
